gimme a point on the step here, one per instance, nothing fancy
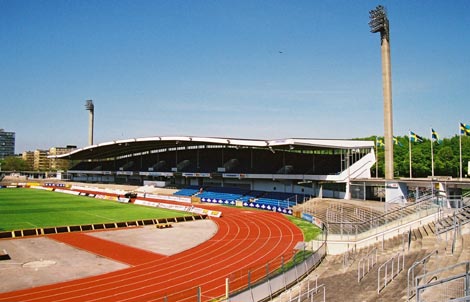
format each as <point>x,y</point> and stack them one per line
<point>429,230</point>
<point>432,227</point>
<point>417,234</point>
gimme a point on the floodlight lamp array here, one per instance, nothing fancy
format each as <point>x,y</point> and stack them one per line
<point>378,19</point>
<point>89,105</point>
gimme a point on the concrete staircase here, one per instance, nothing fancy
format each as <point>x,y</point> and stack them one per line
<point>355,217</point>
<point>433,242</point>
<point>341,282</point>
<point>461,216</point>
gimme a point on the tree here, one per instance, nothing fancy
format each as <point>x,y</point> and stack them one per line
<point>13,163</point>
<point>446,157</point>
<point>444,163</point>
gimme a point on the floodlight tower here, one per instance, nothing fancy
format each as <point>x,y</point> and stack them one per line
<point>379,23</point>
<point>90,107</point>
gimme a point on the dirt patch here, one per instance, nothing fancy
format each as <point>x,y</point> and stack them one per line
<point>168,241</point>
<point>27,268</point>
<point>65,262</point>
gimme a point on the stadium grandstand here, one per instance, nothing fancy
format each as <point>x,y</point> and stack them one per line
<point>276,169</point>
<point>367,251</point>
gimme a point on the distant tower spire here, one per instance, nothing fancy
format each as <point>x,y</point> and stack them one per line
<point>90,107</point>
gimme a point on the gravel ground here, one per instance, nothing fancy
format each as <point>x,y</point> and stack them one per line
<point>39,261</point>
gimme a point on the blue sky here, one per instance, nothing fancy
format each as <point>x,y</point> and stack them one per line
<point>247,69</point>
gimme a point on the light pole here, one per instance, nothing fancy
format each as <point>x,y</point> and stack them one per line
<point>90,107</point>
<point>379,23</point>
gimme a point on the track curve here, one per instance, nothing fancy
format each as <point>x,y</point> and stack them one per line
<point>245,240</point>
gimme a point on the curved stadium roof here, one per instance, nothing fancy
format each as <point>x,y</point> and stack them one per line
<point>138,145</point>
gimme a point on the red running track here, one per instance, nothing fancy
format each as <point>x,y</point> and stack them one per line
<point>244,240</point>
<point>105,248</point>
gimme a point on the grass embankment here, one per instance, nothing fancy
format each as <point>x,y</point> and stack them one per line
<point>30,208</point>
<point>310,232</point>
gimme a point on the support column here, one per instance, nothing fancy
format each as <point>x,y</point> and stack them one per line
<point>388,116</point>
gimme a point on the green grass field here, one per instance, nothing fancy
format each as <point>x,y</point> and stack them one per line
<point>30,208</point>
<point>310,230</point>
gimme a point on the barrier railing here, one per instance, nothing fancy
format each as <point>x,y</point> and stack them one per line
<point>366,263</point>
<point>311,294</point>
<point>348,257</point>
<point>390,270</point>
<point>444,289</point>
<point>411,285</point>
<point>266,281</point>
<point>346,230</point>
<point>460,220</point>
<point>300,291</point>
<point>247,278</point>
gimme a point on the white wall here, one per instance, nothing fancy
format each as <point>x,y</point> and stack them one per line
<point>395,191</point>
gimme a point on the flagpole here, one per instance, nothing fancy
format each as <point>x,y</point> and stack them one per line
<point>432,156</point>
<point>460,150</point>
<point>409,148</point>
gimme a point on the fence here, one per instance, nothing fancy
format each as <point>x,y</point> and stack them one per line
<point>354,231</point>
<point>274,281</point>
<point>307,290</point>
<point>411,281</point>
<point>445,289</point>
<point>390,270</point>
<point>262,282</point>
<point>349,257</point>
<point>366,263</point>
<point>317,294</point>
<point>459,217</point>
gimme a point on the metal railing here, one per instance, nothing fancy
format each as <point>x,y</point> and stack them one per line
<point>265,282</point>
<point>446,288</point>
<point>366,263</point>
<point>304,291</point>
<point>347,230</point>
<point>411,285</point>
<point>390,269</point>
<point>314,293</point>
<point>311,295</point>
<point>348,257</point>
<point>456,286</point>
<point>458,217</point>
